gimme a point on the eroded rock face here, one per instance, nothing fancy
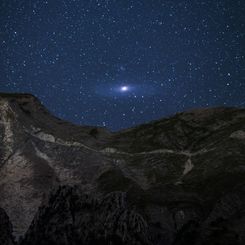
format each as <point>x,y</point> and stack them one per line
<point>185,175</point>
<point>39,152</point>
<point>70,217</point>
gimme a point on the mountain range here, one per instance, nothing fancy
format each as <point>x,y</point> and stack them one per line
<point>175,181</point>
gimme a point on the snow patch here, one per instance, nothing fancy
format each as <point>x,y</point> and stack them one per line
<point>157,151</point>
<point>43,155</point>
<point>51,139</point>
<point>45,137</point>
<point>109,150</point>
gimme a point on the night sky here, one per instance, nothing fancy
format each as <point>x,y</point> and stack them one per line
<point>119,63</point>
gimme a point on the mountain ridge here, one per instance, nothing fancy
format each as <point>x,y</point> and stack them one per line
<point>201,110</point>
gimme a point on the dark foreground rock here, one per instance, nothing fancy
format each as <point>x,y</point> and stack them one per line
<point>6,237</point>
<point>73,218</point>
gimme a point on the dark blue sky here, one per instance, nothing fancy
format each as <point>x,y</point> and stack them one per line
<point>76,56</point>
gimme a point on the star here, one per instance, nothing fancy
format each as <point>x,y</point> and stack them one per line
<point>124,89</point>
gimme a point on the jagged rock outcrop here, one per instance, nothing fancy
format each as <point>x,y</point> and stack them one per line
<point>6,237</point>
<point>185,175</point>
<point>83,219</point>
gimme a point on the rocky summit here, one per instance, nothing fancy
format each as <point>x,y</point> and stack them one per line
<point>175,181</point>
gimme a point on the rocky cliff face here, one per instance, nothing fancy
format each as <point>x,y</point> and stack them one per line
<point>83,219</point>
<point>182,178</point>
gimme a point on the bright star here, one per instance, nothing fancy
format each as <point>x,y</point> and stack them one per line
<point>124,88</point>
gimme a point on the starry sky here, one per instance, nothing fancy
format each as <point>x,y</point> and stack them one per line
<point>120,63</point>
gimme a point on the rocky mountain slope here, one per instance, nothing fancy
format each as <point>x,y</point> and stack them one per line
<point>179,180</point>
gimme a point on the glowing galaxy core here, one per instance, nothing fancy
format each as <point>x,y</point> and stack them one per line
<point>124,88</point>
